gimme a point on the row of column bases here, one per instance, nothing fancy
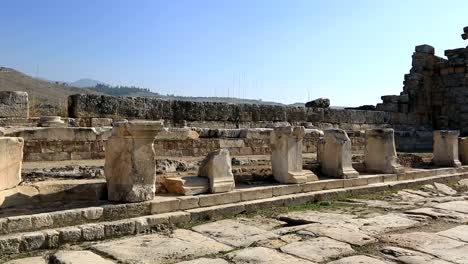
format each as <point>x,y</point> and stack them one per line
<point>334,153</point>
<point>130,166</point>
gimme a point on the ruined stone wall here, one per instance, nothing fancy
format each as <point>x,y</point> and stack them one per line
<point>14,104</point>
<point>52,144</point>
<point>240,142</point>
<point>435,92</point>
<point>210,114</point>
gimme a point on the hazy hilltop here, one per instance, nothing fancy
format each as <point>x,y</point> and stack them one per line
<point>40,91</point>
<point>85,83</point>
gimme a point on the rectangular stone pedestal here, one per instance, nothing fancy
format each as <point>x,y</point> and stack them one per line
<point>130,166</point>
<point>446,148</point>
<point>286,156</point>
<point>11,160</point>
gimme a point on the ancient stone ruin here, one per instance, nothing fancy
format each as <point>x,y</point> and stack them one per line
<point>286,155</point>
<point>118,167</point>
<point>380,155</point>
<point>336,157</point>
<point>130,161</point>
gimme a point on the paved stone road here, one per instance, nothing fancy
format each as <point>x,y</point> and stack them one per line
<point>428,225</point>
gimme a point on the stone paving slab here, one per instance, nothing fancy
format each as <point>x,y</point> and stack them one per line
<point>261,255</point>
<point>309,217</point>
<point>458,233</point>
<point>431,243</point>
<point>407,256</point>
<point>233,233</point>
<point>457,206</point>
<point>359,259</point>
<point>440,213</point>
<point>385,223</point>
<point>344,234</point>
<point>262,222</point>
<point>204,261</point>
<point>318,249</point>
<point>78,257</point>
<point>31,260</point>
<point>180,245</point>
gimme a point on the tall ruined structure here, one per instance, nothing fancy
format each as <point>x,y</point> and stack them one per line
<point>435,92</point>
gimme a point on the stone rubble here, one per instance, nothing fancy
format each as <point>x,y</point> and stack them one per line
<point>218,169</point>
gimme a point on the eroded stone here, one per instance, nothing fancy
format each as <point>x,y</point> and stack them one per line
<point>11,159</point>
<point>233,233</point>
<point>318,249</point>
<point>218,169</point>
<point>336,160</point>
<point>180,245</point>
<point>261,255</point>
<point>446,148</point>
<point>78,257</point>
<point>380,152</point>
<point>286,156</point>
<point>360,259</point>
<point>130,166</point>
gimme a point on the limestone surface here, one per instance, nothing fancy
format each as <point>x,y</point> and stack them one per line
<point>233,233</point>
<point>30,260</point>
<point>457,206</point>
<point>444,189</point>
<point>130,166</point>
<point>286,156</point>
<point>407,256</point>
<point>78,257</point>
<point>433,244</point>
<point>187,185</point>
<point>176,134</point>
<point>318,249</point>
<point>359,259</point>
<point>335,156</point>
<point>380,152</point>
<point>261,255</point>
<point>51,121</point>
<point>446,148</point>
<point>458,233</point>
<point>218,169</point>
<point>341,233</point>
<point>463,150</point>
<point>181,245</point>
<point>204,261</point>
<point>11,160</point>
<point>14,104</point>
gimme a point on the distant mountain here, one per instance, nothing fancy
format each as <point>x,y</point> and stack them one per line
<point>85,83</point>
<point>38,89</point>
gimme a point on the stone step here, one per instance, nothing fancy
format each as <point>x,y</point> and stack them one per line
<point>57,218</point>
<point>53,237</point>
<point>53,190</point>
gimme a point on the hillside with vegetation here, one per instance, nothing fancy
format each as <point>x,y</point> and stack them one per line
<point>45,97</point>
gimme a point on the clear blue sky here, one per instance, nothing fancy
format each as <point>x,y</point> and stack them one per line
<point>351,51</point>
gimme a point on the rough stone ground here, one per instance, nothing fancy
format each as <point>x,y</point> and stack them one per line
<point>425,225</point>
